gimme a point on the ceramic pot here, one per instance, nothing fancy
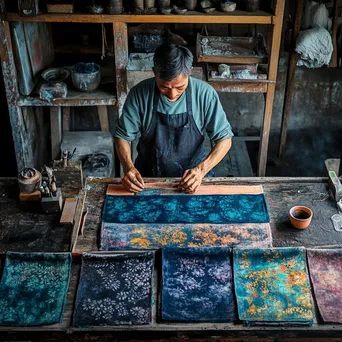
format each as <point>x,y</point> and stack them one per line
<point>300,217</point>
<point>138,5</point>
<point>249,5</point>
<point>149,3</point>
<point>86,76</point>
<point>190,5</point>
<point>163,3</point>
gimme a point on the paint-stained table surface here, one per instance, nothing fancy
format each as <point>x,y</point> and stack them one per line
<point>281,195</point>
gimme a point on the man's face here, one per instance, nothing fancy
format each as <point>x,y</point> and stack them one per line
<point>173,89</point>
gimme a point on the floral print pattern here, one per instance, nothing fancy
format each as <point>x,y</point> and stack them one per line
<point>272,286</point>
<point>197,285</point>
<point>116,236</point>
<point>326,275</point>
<point>186,209</point>
<point>33,288</point>
<point>115,289</point>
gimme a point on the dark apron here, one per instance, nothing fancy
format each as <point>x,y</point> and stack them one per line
<point>171,144</point>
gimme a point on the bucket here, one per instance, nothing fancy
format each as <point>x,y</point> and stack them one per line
<point>86,76</point>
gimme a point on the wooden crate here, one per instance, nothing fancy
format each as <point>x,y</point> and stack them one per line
<point>58,7</point>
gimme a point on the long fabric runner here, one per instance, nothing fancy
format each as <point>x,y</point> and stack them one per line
<point>115,289</point>
<point>197,285</point>
<point>325,268</point>
<point>33,288</point>
<point>272,286</point>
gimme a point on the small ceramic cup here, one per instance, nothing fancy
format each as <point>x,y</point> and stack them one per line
<point>300,217</point>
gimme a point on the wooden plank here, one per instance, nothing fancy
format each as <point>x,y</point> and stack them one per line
<point>66,119</point>
<point>234,86</point>
<point>121,61</point>
<point>231,60</point>
<point>335,25</point>
<point>103,116</point>
<point>74,99</point>
<point>69,210</point>
<point>272,76</point>
<point>290,79</point>
<point>236,17</point>
<point>77,219</point>
<point>56,132</point>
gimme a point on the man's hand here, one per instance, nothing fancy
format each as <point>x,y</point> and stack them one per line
<point>191,180</point>
<point>133,181</point>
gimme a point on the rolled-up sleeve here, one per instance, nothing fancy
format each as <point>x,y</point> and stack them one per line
<point>128,126</point>
<point>217,125</point>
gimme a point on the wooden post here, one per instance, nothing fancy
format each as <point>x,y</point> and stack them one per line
<point>333,62</point>
<point>290,79</point>
<point>121,61</point>
<point>21,145</point>
<point>272,76</point>
<point>103,116</point>
<point>56,131</point>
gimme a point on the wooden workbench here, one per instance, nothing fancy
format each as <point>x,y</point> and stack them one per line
<point>281,195</point>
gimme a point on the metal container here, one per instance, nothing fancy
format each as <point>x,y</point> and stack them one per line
<point>28,8</point>
<point>86,76</point>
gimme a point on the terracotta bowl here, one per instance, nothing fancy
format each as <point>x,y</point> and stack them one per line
<point>300,217</point>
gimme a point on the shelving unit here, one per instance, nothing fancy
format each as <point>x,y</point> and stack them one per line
<point>120,23</point>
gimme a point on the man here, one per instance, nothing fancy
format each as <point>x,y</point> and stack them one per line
<point>171,112</point>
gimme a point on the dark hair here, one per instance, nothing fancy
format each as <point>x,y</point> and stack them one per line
<point>171,60</point>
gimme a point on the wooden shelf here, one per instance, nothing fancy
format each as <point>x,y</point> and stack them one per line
<point>74,99</point>
<point>192,17</point>
<point>241,86</point>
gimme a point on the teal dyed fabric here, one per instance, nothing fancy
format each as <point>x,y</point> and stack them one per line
<point>33,288</point>
<point>197,285</point>
<point>272,286</point>
<point>186,209</point>
<point>115,289</point>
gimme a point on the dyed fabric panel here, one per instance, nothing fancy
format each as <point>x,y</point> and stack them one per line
<point>116,236</point>
<point>186,209</point>
<point>33,288</point>
<point>326,275</point>
<point>272,286</point>
<point>197,285</point>
<point>115,289</point>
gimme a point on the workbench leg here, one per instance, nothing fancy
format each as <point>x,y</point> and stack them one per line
<point>103,117</point>
<point>66,119</point>
<point>23,150</point>
<point>121,61</point>
<point>290,79</point>
<point>272,76</point>
<point>56,132</point>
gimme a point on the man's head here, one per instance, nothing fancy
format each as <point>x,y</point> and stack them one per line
<point>172,67</point>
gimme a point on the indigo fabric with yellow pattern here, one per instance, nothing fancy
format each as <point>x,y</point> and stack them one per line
<point>272,286</point>
<point>197,285</point>
<point>33,288</point>
<point>115,289</point>
<point>186,209</point>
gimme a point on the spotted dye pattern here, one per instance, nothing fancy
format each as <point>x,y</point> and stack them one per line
<point>115,289</point>
<point>272,286</point>
<point>186,209</point>
<point>116,236</point>
<point>197,285</point>
<point>326,275</point>
<point>33,288</point>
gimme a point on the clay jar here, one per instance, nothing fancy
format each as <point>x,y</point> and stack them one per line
<point>190,5</point>
<point>163,3</point>
<point>300,217</point>
<point>248,5</point>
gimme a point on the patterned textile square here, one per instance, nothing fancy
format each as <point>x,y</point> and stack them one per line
<point>33,288</point>
<point>325,268</point>
<point>116,236</point>
<point>186,209</point>
<point>197,285</point>
<point>272,286</point>
<point>115,289</point>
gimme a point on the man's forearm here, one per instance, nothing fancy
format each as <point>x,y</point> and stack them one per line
<point>216,155</point>
<point>123,148</point>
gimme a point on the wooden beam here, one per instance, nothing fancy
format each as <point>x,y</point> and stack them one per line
<point>103,117</point>
<point>272,76</point>
<point>334,61</point>
<point>56,132</point>
<point>290,79</point>
<point>239,87</point>
<point>121,61</point>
